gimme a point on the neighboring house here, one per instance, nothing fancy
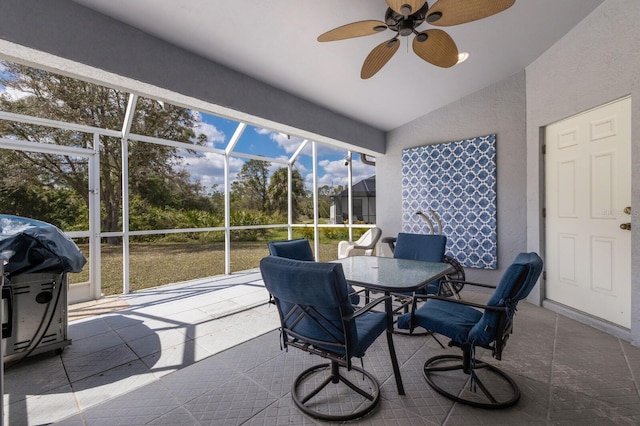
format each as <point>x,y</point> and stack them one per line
<point>364,203</point>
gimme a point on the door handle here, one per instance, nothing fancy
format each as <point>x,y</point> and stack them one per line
<point>625,226</point>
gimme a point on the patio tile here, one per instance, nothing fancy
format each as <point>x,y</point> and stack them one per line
<point>199,378</point>
<point>231,403</point>
<point>530,410</point>
<point>97,362</point>
<point>190,368</point>
<point>155,342</point>
<point>208,326</point>
<point>278,374</point>
<point>96,307</point>
<point>282,412</point>
<point>228,337</point>
<point>33,376</point>
<point>42,408</point>
<point>146,404</point>
<point>257,296</point>
<point>221,308</point>
<point>178,416</point>
<point>112,383</point>
<point>87,327</point>
<point>390,413</point>
<point>241,359</point>
<point>92,344</point>
<point>419,398</point>
<point>175,358</point>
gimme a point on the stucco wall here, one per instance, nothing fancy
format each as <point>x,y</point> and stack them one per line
<point>500,109</point>
<point>595,63</point>
<point>88,45</point>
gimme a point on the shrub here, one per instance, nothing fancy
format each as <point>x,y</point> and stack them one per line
<point>248,218</point>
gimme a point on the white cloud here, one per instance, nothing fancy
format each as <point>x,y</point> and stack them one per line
<point>301,169</point>
<point>208,168</point>
<point>288,143</point>
<point>334,173</point>
<point>213,134</point>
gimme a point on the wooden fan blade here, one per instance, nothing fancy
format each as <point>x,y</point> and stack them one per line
<point>438,49</point>
<point>454,12</point>
<point>445,13</point>
<point>398,5</point>
<point>355,29</point>
<point>378,57</point>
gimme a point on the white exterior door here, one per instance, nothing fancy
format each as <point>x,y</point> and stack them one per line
<point>588,198</point>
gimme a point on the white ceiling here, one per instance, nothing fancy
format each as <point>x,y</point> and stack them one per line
<point>275,41</point>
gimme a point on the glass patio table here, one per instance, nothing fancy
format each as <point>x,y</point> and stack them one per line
<point>390,275</point>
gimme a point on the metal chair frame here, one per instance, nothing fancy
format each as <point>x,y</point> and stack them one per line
<point>467,364</point>
<point>341,338</point>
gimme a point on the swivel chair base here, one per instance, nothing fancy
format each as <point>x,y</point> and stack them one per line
<point>335,404</point>
<point>494,388</point>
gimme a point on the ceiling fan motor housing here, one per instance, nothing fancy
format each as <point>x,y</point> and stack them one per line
<point>405,25</point>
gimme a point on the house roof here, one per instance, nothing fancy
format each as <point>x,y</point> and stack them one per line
<point>364,188</point>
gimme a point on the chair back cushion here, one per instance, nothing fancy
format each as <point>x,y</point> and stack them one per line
<point>429,248</point>
<point>312,312</point>
<point>425,247</point>
<point>516,284</point>
<point>298,249</point>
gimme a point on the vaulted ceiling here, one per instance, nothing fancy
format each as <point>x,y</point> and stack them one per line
<point>275,41</point>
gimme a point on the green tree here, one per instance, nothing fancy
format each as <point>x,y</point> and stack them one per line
<point>250,189</point>
<point>67,99</point>
<point>279,188</point>
<point>325,192</point>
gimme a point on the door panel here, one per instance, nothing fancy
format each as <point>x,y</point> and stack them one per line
<point>588,186</point>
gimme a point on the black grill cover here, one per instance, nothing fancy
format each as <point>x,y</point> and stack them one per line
<point>31,245</point>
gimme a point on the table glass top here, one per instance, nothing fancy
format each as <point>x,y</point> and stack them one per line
<point>387,273</point>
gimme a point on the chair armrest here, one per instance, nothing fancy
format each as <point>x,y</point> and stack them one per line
<point>366,308</point>
<point>468,283</point>
<point>344,244</point>
<point>362,247</point>
<point>459,302</point>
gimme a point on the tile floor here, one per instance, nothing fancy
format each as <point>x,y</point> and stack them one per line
<point>197,353</point>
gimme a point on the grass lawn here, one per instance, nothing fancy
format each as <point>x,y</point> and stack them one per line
<point>159,263</point>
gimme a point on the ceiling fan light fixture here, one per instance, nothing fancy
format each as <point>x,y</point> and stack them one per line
<point>405,9</point>
<point>405,27</point>
<point>434,17</point>
<point>462,56</point>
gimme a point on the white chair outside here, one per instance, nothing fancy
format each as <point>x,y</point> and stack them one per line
<point>365,245</point>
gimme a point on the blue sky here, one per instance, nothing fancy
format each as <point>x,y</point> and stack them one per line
<point>259,141</point>
<point>208,167</point>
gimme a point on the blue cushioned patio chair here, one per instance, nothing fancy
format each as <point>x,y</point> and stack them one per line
<point>429,248</point>
<point>300,249</point>
<point>424,247</point>
<point>316,316</point>
<point>470,325</point>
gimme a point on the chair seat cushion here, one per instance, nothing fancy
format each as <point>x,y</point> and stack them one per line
<point>369,326</point>
<point>449,319</point>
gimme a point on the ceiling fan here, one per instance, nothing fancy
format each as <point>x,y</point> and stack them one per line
<point>405,16</point>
